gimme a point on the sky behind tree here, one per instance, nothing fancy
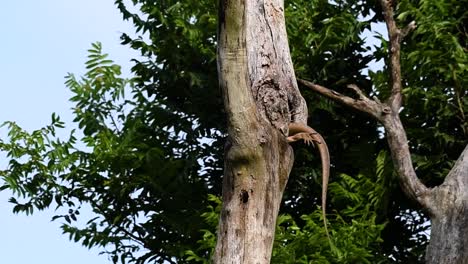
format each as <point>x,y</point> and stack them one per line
<point>41,42</point>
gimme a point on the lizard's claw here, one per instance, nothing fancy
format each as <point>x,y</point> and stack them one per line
<point>312,139</point>
<point>309,138</point>
<point>309,141</point>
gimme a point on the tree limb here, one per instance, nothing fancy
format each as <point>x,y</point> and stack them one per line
<point>395,37</point>
<point>388,113</point>
<point>372,107</point>
<point>395,133</point>
<point>410,27</point>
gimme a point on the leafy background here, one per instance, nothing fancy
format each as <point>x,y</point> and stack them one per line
<point>152,165</point>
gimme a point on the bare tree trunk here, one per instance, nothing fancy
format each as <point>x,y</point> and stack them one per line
<point>261,98</point>
<point>449,217</point>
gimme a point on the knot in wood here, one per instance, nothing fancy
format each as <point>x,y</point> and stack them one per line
<point>386,110</point>
<point>272,102</point>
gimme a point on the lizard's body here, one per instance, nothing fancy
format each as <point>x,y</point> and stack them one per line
<point>309,135</point>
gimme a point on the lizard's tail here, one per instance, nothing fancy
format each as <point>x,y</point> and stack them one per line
<point>325,157</point>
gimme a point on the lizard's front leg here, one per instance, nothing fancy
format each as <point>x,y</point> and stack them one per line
<point>309,138</point>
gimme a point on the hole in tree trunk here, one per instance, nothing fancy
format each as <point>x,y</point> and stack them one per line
<point>244,196</point>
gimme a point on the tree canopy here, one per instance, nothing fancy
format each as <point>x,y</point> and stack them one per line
<point>152,166</point>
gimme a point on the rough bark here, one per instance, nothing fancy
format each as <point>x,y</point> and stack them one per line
<point>261,98</point>
<point>449,218</point>
<point>447,204</point>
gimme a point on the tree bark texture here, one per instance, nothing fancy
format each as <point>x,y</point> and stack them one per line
<point>446,204</point>
<point>261,98</point>
<point>449,217</point>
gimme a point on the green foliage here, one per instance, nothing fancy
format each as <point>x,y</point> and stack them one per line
<point>205,249</point>
<point>355,231</point>
<point>136,174</point>
<point>436,90</point>
<point>180,69</point>
<point>34,159</point>
<point>326,45</point>
<point>153,144</point>
<point>354,224</point>
<point>307,243</point>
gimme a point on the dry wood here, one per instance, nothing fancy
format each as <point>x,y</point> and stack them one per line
<point>261,98</point>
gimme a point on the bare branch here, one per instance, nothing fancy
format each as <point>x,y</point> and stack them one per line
<point>410,27</point>
<point>396,136</point>
<point>401,156</point>
<point>394,34</point>
<point>363,104</point>
<point>357,90</point>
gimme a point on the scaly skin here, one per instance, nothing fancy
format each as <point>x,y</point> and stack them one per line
<point>310,136</point>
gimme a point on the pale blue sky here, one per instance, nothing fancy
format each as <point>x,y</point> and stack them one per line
<point>40,42</point>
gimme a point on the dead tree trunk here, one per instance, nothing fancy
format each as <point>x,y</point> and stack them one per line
<point>446,204</point>
<point>449,216</point>
<point>261,98</point>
